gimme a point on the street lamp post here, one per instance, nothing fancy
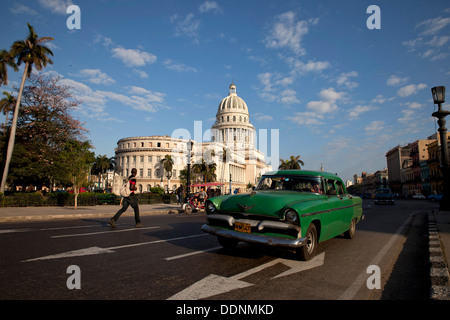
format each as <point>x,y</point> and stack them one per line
<point>438,94</point>
<point>168,175</point>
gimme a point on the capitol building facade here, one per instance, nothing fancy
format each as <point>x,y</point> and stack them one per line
<point>231,148</point>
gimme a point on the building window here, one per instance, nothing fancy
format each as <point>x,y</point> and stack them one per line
<point>149,173</point>
<point>141,172</point>
<point>159,145</point>
<point>142,159</point>
<point>149,158</point>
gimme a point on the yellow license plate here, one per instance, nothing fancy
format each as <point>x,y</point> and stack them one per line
<point>242,227</point>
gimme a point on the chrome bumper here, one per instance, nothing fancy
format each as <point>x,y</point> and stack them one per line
<point>255,238</point>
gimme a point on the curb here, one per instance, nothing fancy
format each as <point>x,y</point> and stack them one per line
<point>439,275</point>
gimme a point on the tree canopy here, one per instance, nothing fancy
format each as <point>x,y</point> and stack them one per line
<point>44,127</point>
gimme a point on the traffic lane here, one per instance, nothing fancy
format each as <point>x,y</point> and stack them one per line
<point>45,238</point>
<point>37,242</point>
<point>169,277</point>
<point>108,275</point>
<point>345,261</point>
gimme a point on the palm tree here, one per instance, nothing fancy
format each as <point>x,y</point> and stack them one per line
<point>167,164</point>
<point>284,164</point>
<point>292,163</point>
<point>6,60</point>
<point>6,105</point>
<point>101,164</point>
<point>206,170</point>
<point>31,52</point>
<point>295,162</point>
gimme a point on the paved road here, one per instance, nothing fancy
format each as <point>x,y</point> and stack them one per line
<point>172,259</point>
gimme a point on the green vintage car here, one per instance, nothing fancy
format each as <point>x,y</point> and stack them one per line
<point>292,209</point>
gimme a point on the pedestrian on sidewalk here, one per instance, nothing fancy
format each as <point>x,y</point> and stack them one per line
<point>180,195</point>
<point>131,200</point>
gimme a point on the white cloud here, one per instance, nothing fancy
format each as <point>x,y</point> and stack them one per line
<point>287,32</point>
<point>178,66</point>
<point>140,73</point>
<point>344,79</point>
<point>321,106</point>
<point>94,102</point>
<point>396,81</point>
<point>96,76</point>
<point>410,89</point>
<point>409,112</point>
<point>289,96</point>
<point>133,57</point>
<point>433,26</point>
<point>105,41</point>
<point>301,67</point>
<point>262,117</point>
<point>270,93</point>
<point>21,9</point>
<point>354,113</point>
<point>438,41</point>
<point>56,6</point>
<point>430,27</point>
<point>210,6</point>
<point>186,27</point>
<point>379,99</point>
<point>306,118</point>
<point>327,104</point>
<point>375,127</point>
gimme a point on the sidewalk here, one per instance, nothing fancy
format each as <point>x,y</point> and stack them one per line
<point>439,249</point>
<point>16,214</point>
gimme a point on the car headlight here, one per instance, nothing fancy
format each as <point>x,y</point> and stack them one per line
<point>291,216</point>
<point>210,207</point>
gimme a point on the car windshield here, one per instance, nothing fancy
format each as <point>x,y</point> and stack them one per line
<point>295,183</point>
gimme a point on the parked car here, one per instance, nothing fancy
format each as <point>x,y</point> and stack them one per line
<point>418,196</point>
<point>384,195</point>
<point>435,197</point>
<point>292,209</point>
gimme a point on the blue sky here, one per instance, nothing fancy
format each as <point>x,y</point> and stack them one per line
<point>340,94</point>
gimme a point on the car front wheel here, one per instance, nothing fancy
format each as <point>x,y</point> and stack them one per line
<point>227,243</point>
<point>308,251</point>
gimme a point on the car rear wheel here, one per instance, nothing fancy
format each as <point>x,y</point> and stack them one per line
<point>350,233</point>
<point>308,251</point>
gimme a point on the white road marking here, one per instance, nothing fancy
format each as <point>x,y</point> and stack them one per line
<point>76,253</point>
<point>13,230</point>
<point>98,250</point>
<point>100,232</point>
<point>192,253</point>
<point>47,229</point>
<point>213,284</point>
<point>360,281</point>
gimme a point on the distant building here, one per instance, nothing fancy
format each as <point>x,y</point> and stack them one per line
<point>231,148</point>
<point>415,168</point>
